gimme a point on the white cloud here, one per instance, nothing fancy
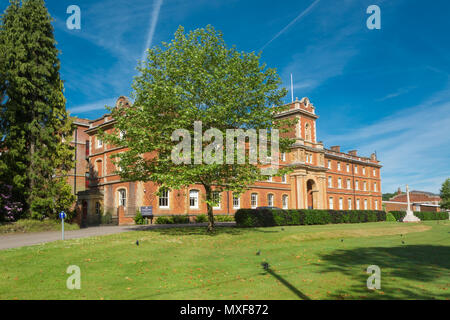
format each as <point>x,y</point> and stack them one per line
<point>154,21</point>
<point>95,106</point>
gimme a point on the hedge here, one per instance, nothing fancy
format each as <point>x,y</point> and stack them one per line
<point>278,217</point>
<point>179,219</point>
<point>422,215</point>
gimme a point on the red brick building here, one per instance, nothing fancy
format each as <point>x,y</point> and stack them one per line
<point>321,178</point>
<point>420,201</point>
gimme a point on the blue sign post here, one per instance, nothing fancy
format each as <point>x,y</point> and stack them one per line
<point>62,216</point>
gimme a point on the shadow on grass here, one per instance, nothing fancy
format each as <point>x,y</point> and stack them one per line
<point>288,285</point>
<point>405,271</point>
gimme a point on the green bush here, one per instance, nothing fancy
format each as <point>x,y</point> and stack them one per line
<point>390,217</point>
<point>225,218</point>
<point>106,218</point>
<point>138,218</point>
<point>278,217</point>
<point>178,219</point>
<point>164,220</point>
<point>201,218</point>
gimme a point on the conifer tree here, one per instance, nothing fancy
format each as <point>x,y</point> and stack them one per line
<point>34,119</point>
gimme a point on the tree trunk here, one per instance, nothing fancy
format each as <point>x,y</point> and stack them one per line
<point>209,207</point>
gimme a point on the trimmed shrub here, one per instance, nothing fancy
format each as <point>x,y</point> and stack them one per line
<point>138,218</point>
<point>390,217</point>
<point>178,219</point>
<point>278,217</point>
<point>227,218</point>
<point>164,220</point>
<point>201,218</point>
<point>422,215</point>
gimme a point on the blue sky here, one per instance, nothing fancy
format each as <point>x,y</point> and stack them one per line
<point>384,90</point>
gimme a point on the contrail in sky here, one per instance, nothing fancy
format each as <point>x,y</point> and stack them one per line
<point>301,15</point>
<point>151,32</point>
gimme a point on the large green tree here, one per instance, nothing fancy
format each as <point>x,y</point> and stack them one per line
<point>34,120</point>
<point>197,77</point>
<point>445,194</point>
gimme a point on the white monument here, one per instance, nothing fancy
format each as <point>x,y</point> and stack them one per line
<point>410,217</point>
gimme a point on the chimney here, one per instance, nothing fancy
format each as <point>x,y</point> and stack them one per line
<point>353,152</point>
<point>399,191</point>
<point>373,156</point>
<point>336,148</point>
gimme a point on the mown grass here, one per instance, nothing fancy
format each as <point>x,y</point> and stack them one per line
<point>305,262</point>
<point>28,225</point>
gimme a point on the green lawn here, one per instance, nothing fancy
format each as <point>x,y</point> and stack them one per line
<point>306,262</point>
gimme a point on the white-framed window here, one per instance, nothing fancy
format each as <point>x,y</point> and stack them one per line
<point>97,208</point>
<point>283,156</point>
<point>341,204</point>
<point>356,168</point>
<point>164,198</point>
<point>339,166</point>
<point>375,187</point>
<point>254,200</point>
<point>349,203</point>
<point>348,167</point>
<point>339,183</point>
<point>329,164</point>
<point>122,134</point>
<point>330,202</point>
<point>99,143</point>
<point>236,202</point>
<point>357,204</point>
<point>123,197</point>
<point>217,198</point>
<point>374,173</point>
<point>284,178</point>
<point>376,204</point>
<point>364,170</point>
<point>365,204</point>
<point>330,182</point>
<point>356,185</point>
<point>270,201</point>
<point>349,184</point>
<point>269,179</point>
<point>365,185</point>
<point>193,199</point>
<point>285,199</point>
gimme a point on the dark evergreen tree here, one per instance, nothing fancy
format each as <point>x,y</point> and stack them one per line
<point>34,122</point>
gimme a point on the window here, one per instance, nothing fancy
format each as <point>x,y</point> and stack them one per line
<point>349,184</point>
<point>254,200</point>
<point>357,204</point>
<point>339,183</point>
<point>269,179</point>
<point>364,170</point>
<point>349,203</point>
<point>284,178</point>
<point>97,208</point>
<point>193,199</point>
<point>339,166</point>
<point>285,201</point>
<point>283,156</point>
<point>99,143</point>
<point>164,199</point>
<point>356,185</point>
<point>374,173</point>
<point>365,185</point>
<point>376,204</point>
<point>330,182</point>
<point>217,199</point>
<point>356,168</point>
<point>348,167</point>
<point>236,202</point>
<point>270,200</point>
<point>307,132</point>
<point>121,134</point>
<point>341,204</point>
<point>365,204</point>
<point>122,197</point>
<point>330,203</point>
<point>375,187</point>
<point>329,164</point>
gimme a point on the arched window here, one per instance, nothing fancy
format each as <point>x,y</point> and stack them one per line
<point>123,197</point>
<point>254,200</point>
<point>270,201</point>
<point>193,199</point>
<point>164,198</point>
<point>307,132</point>
<point>285,201</point>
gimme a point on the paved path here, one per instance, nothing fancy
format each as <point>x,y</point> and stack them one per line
<point>28,239</point>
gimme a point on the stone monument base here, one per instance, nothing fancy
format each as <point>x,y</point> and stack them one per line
<point>410,217</point>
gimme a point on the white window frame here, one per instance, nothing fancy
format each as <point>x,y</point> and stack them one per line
<point>164,198</point>
<point>330,182</point>
<point>285,201</point>
<point>339,166</point>
<point>254,200</point>
<point>122,197</point>
<point>330,203</point>
<point>376,204</point>
<point>341,204</point>
<point>366,207</point>
<point>356,168</point>
<point>349,203</point>
<point>348,167</point>
<point>99,143</point>
<point>283,156</point>
<point>364,185</point>
<point>356,185</point>
<point>284,178</point>
<point>339,183</point>
<point>357,204</point>
<point>349,184</point>
<point>238,202</point>
<point>193,195</point>
<point>375,188</point>
<point>270,200</point>
<point>329,164</point>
